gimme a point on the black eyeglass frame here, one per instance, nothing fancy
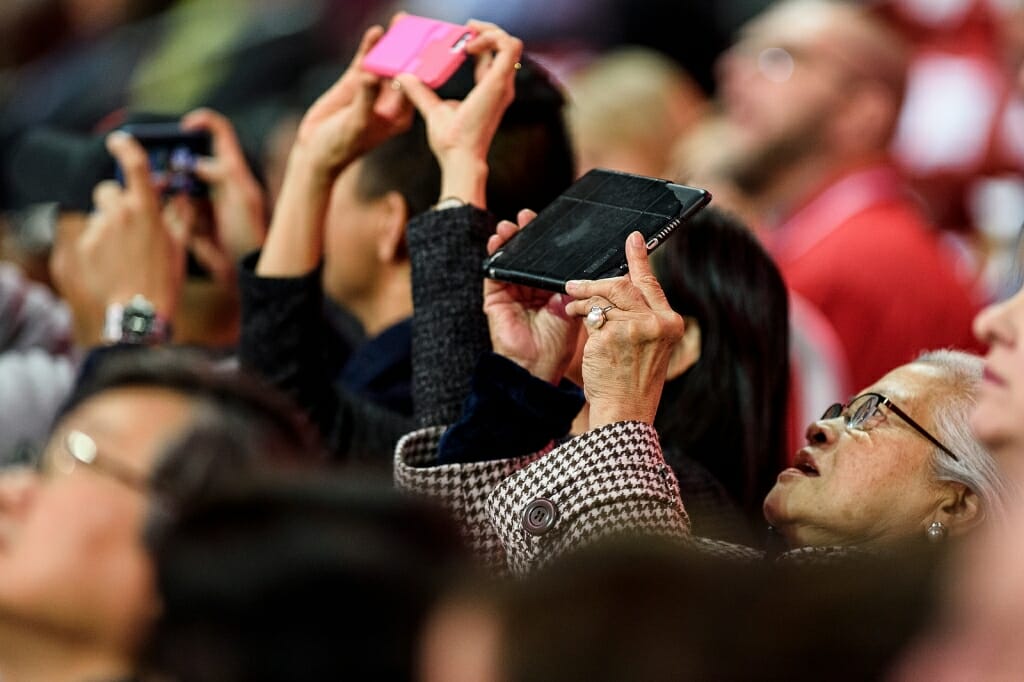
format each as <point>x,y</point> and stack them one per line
<point>836,410</point>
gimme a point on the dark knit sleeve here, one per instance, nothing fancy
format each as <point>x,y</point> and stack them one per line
<point>285,340</point>
<point>447,250</point>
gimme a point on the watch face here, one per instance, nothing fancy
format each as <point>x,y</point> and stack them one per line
<point>140,323</point>
<point>137,323</point>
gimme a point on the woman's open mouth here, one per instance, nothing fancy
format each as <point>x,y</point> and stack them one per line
<point>805,464</point>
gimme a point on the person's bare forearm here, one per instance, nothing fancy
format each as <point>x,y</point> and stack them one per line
<point>294,244</point>
<point>464,177</point>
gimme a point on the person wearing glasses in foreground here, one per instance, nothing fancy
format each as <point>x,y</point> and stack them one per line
<point>77,584</point>
<point>179,515</point>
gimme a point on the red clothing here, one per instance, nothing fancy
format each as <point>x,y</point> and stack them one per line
<point>861,252</point>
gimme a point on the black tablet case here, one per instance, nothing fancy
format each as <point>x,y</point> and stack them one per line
<point>582,234</point>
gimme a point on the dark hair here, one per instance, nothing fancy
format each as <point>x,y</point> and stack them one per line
<point>403,164</point>
<point>531,159</point>
<point>297,577</point>
<point>640,609</point>
<point>260,550</point>
<point>728,411</point>
<point>255,414</point>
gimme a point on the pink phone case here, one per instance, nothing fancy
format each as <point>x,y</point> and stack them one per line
<point>428,48</point>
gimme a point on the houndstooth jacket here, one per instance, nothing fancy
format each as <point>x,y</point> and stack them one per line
<point>519,514</point>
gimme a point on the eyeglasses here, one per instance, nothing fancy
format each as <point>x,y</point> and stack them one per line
<point>859,411</point>
<point>78,448</point>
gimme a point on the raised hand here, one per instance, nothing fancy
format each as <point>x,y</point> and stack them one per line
<point>357,113</point>
<point>460,132</point>
<point>238,204</point>
<point>632,334</point>
<point>127,247</point>
<point>528,326</point>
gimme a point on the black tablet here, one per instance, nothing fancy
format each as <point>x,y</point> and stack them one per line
<point>582,234</point>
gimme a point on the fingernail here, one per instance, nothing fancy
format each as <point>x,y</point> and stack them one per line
<point>636,240</point>
<point>572,284</point>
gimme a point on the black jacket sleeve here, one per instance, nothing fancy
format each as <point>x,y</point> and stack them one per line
<point>286,341</point>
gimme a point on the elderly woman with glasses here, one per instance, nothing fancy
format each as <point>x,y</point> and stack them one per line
<point>872,474</point>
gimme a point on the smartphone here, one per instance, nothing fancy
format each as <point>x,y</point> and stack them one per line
<point>173,154</point>
<point>430,49</point>
<point>582,233</point>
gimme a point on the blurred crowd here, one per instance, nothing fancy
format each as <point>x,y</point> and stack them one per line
<point>268,420</point>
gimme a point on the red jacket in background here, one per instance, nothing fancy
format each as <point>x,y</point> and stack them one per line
<point>862,253</point>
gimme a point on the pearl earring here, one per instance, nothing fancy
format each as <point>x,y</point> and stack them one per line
<point>936,532</point>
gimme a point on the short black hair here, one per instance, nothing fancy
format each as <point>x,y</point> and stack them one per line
<point>293,576</point>
<point>242,408</point>
<point>531,159</point>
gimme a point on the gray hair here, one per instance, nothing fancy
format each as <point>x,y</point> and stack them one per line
<point>976,468</point>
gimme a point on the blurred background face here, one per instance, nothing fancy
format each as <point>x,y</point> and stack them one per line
<point>855,486</point>
<point>779,87</point>
<point>71,553</point>
<point>626,108</point>
<point>997,417</point>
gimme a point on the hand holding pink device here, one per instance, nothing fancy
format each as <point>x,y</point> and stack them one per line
<point>430,49</point>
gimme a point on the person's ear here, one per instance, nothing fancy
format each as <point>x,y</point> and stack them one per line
<point>959,510</point>
<point>687,351</point>
<point>392,216</point>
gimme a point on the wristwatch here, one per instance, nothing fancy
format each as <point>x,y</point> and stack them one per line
<point>448,202</point>
<point>135,322</point>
